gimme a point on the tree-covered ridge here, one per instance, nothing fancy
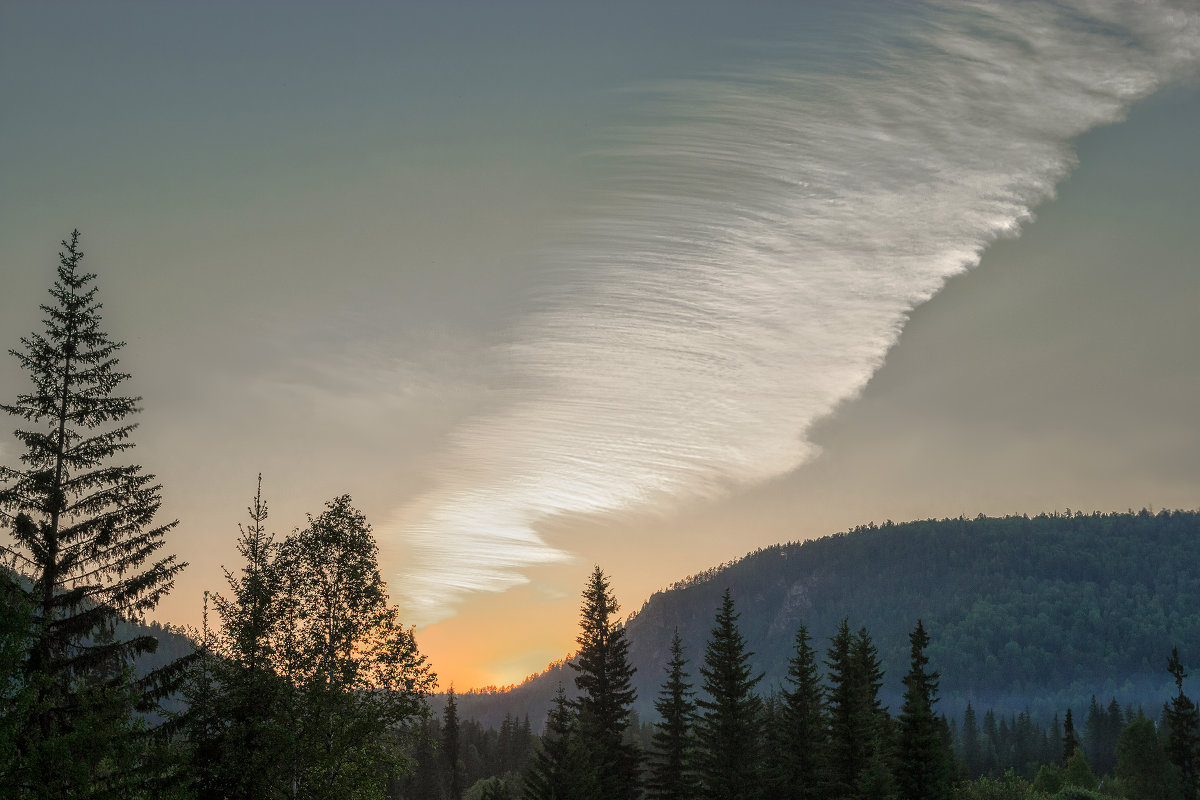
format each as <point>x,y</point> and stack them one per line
<point>1040,611</point>
<point>1044,611</point>
<point>833,739</point>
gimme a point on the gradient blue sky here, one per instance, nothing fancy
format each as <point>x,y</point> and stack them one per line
<point>544,285</point>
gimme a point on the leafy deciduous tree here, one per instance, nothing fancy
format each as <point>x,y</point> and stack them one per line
<point>1143,769</point>
<point>358,676</point>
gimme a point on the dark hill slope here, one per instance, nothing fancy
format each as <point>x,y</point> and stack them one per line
<point>1035,612</point>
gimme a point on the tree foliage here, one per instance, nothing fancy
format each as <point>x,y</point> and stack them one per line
<point>358,678</point>
<point>310,688</point>
<point>924,768</point>
<point>560,768</point>
<point>1143,768</point>
<point>858,722</point>
<point>670,775</point>
<point>604,680</point>
<point>1183,725</point>
<point>729,729</point>
<point>803,731</point>
<point>450,739</point>
<point>84,534</point>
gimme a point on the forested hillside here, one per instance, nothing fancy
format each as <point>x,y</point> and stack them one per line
<point>174,642</point>
<point>1024,612</point>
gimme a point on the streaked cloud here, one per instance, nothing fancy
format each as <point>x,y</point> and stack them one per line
<point>753,256</point>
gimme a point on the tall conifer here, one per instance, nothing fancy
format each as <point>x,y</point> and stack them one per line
<point>729,730</point>
<point>803,724</point>
<point>924,767</point>
<point>606,692</point>
<point>858,724</point>
<point>875,780</point>
<point>671,776</point>
<point>450,746</point>
<point>971,745</point>
<point>251,690</point>
<point>1183,722</point>
<point>84,533</point>
<point>559,769</point>
<point>1070,739</point>
<point>845,739</point>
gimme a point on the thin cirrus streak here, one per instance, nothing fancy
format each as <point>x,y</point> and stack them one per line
<point>754,256</point>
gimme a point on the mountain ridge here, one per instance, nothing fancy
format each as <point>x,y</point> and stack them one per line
<point>1035,613</point>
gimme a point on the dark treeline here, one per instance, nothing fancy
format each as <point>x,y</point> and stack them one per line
<point>1039,611</point>
<point>825,734</point>
<point>1035,613</point>
<point>988,744</point>
<point>459,758</point>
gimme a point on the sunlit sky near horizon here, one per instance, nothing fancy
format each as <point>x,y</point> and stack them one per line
<point>648,285</point>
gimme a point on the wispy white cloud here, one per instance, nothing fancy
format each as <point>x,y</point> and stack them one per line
<point>757,252</point>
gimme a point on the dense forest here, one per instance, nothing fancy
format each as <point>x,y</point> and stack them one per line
<point>927,660</point>
<point>825,733</point>
<point>1031,614</point>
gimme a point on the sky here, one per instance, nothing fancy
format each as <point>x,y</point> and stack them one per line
<point>643,285</point>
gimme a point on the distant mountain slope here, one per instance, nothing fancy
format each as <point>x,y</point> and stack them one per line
<point>173,642</point>
<point>1037,612</point>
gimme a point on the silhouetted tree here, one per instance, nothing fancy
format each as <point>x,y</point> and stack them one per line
<point>606,694</point>
<point>802,725</point>
<point>450,746</point>
<point>206,774</point>
<point>84,533</point>
<point>971,749</point>
<point>858,723</point>
<point>1070,740</point>
<point>425,780</point>
<point>924,768</point>
<point>671,776</point>
<point>991,738</point>
<point>848,731</point>
<point>360,680</point>
<point>1106,748</point>
<point>729,728</point>
<point>243,664</point>
<point>1183,725</point>
<point>559,768</point>
<point>875,781</point>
